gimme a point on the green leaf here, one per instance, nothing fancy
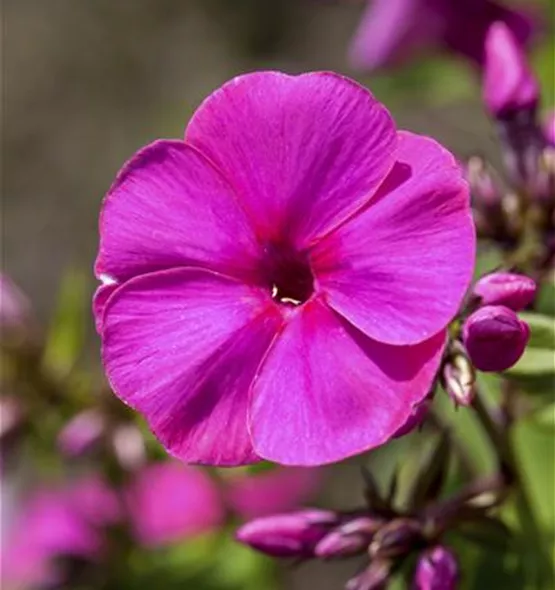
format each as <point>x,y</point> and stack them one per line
<point>545,300</point>
<point>67,332</point>
<point>539,356</point>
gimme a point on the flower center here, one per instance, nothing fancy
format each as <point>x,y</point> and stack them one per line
<point>290,275</point>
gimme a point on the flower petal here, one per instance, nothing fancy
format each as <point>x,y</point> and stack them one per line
<point>399,270</point>
<point>303,152</point>
<point>182,346</point>
<point>169,207</point>
<point>326,392</point>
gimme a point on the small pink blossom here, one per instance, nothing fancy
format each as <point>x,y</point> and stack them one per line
<point>393,31</point>
<point>512,290</point>
<point>168,502</point>
<point>55,523</point>
<point>437,569</point>
<point>509,83</point>
<point>81,433</point>
<point>278,283</point>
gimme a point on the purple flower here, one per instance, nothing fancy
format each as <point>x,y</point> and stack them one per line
<point>495,338</point>
<point>168,502</point>
<point>287,535</point>
<point>392,31</point>
<point>437,569</point>
<point>278,284</point>
<point>509,84</point>
<point>271,492</point>
<point>512,290</point>
<point>56,523</point>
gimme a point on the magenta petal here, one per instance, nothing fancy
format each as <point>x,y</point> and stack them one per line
<point>181,347</point>
<point>399,270</point>
<point>326,392</point>
<point>302,152</point>
<point>170,207</point>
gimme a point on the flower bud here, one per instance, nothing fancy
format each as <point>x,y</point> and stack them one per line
<point>495,338</point>
<point>14,306</point>
<point>484,185</point>
<point>503,288</point>
<point>509,84</point>
<point>349,539</point>
<point>374,577</point>
<point>458,378</point>
<point>437,569</point>
<point>81,433</point>
<point>549,129</point>
<point>288,535</point>
<point>396,538</point>
<point>417,416</point>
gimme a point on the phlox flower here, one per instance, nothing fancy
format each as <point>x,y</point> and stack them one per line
<point>277,285</point>
<point>393,31</point>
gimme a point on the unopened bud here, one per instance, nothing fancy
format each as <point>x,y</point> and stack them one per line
<point>437,569</point>
<point>417,416</point>
<point>349,539</point>
<point>458,378</point>
<point>288,535</point>
<point>514,291</point>
<point>81,433</point>
<point>396,538</point>
<point>495,338</point>
<point>374,577</point>
<point>509,84</point>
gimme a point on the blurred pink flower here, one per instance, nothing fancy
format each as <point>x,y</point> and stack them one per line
<point>252,495</point>
<point>169,501</point>
<point>278,284</point>
<point>56,523</point>
<point>393,31</point>
<point>549,128</point>
<point>14,305</point>
<point>510,85</point>
<point>81,433</point>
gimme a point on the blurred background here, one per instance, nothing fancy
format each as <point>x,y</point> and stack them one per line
<point>85,84</point>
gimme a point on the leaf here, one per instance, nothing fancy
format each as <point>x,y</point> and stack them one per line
<point>545,300</point>
<point>67,332</point>
<point>539,357</point>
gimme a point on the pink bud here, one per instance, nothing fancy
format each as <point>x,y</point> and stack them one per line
<point>549,129</point>
<point>437,569</point>
<point>503,288</point>
<point>14,306</point>
<point>351,538</point>
<point>509,85</point>
<point>288,535</point>
<point>81,433</point>
<point>495,338</point>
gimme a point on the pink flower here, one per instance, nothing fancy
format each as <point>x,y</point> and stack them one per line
<point>168,502</point>
<point>81,433</point>
<point>271,492</point>
<point>278,284</point>
<point>549,128</point>
<point>56,523</point>
<point>509,83</point>
<point>392,31</point>
<point>15,308</point>
<point>437,569</point>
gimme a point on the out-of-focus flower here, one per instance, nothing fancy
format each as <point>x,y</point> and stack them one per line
<point>279,490</point>
<point>295,534</point>
<point>53,524</point>
<point>168,502</point>
<point>392,31</point>
<point>509,84</point>
<point>514,291</point>
<point>129,446</point>
<point>418,415</point>
<point>549,129</point>
<point>277,252</point>
<point>81,433</point>
<point>374,577</point>
<point>437,569</point>
<point>14,306</point>
<point>11,415</point>
<point>495,338</point>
